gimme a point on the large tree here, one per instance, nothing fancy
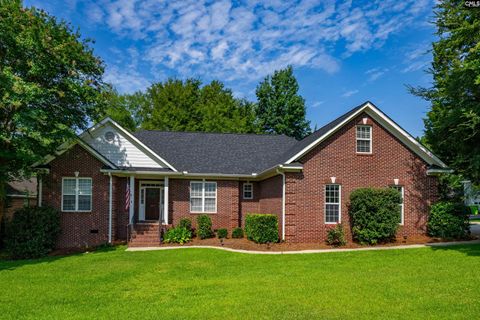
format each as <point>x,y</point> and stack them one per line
<point>452,126</point>
<point>281,109</point>
<point>125,109</point>
<point>49,86</point>
<point>178,105</point>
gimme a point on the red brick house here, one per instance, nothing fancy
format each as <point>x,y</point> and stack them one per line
<point>111,184</point>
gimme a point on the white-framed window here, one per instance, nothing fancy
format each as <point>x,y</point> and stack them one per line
<point>402,194</point>
<point>364,139</point>
<point>77,194</point>
<point>203,197</point>
<point>248,190</point>
<point>332,203</point>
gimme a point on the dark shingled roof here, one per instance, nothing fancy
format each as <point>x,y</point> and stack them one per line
<point>229,153</point>
<point>199,152</point>
<point>22,187</point>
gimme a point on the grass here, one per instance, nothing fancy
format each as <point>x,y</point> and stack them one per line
<point>429,283</point>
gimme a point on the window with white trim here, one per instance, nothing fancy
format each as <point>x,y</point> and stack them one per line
<point>364,139</point>
<point>332,203</point>
<point>203,197</point>
<point>77,194</point>
<point>402,194</point>
<point>248,190</point>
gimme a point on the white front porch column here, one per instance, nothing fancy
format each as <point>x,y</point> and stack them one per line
<point>165,200</point>
<point>132,198</point>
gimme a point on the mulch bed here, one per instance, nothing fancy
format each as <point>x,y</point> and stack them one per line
<point>245,244</point>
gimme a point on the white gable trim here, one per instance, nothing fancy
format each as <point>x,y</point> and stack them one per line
<point>148,152</point>
<point>388,124</point>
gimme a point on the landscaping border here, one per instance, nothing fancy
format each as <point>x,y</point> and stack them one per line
<point>410,246</point>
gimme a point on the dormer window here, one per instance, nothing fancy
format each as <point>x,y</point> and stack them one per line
<point>364,139</point>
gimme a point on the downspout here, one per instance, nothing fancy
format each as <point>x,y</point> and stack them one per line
<point>110,209</point>
<point>283,203</point>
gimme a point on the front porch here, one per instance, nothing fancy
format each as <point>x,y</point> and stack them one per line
<point>148,200</point>
<point>147,209</point>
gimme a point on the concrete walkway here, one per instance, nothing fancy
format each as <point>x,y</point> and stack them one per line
<point>412,246</point>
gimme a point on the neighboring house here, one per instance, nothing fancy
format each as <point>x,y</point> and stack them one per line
<point>471,194</point>
<point>20,194</point>
<point>111,184</point>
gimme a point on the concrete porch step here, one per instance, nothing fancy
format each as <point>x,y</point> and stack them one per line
<point>145,234</point>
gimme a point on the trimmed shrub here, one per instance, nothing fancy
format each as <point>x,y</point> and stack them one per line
<point>185,223</point>
<point>336,236</point>
<point>204,227</point>
<point>177,235</point>
<point>448,220</point>
<point>237,233</point>
<point>222,233</point>
<point>32,232</point>
<point>261,228</point>
<point>375,214</point>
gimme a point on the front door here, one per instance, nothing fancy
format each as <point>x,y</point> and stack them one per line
<point>152,203</point>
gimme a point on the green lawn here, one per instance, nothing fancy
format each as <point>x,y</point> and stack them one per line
<point>431,283</point>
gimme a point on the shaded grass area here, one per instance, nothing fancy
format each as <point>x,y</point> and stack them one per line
<point>207,283</point>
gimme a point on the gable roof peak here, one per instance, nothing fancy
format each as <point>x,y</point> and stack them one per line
<point>309,142</point>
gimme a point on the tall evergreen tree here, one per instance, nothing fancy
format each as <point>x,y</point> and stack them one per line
<point>452,126</point>
<point>281,109</point>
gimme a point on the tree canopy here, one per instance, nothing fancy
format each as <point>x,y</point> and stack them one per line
<point>178,105</point>
<point>452,126</point>
<point>281,109</point>
<point>50,81</point>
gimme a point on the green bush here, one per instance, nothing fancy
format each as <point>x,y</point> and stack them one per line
<point>375,214</point>
<point>336,236</point>
<point>261,228</point>
<point>448,220</point>
<point>177,235</point>
<point>222,233</point>
<point>185,223</point>
<point>237,233</point>
<point>204,230</point>
<point>32,232</point>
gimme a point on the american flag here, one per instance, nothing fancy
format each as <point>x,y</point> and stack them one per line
<point>127,198</point>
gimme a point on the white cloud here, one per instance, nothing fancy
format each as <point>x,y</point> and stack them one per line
<point>349,93</point>
<point>317,104</point>
<point>249,39</point>
<point>126,79</point>
<point>375,73</point>
<point>417,58</point>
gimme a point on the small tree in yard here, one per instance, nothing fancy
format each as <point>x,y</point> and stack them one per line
<point>375,214</point>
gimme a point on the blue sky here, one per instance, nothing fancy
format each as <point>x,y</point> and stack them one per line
<point>343,53</point>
